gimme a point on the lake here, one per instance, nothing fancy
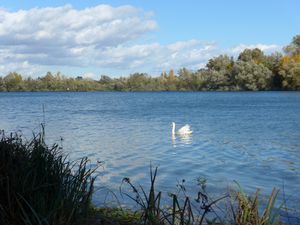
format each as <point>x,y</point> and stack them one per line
<point>250,137</point>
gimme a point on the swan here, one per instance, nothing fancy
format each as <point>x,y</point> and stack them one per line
<point>183,131</point>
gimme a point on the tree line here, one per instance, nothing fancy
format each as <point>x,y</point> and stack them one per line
<point>251,71</point>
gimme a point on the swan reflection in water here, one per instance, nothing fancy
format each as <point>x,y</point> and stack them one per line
<point>184,133</point>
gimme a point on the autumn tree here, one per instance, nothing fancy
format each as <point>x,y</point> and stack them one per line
<point>13,82</point>
<point>49,81</point>
<point>289,66</point>
<point>289,70</point>
<point>171,81</point>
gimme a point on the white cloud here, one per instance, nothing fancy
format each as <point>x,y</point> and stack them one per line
<point>90,75</point>
<point>65,26</point>
<point>66,36</point>
<point>40,39</point>
<point>156,56</point>
<point>266,48</point>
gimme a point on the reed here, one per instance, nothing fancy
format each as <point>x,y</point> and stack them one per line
<point>247,209</point>
<point>39,186</point>
<point>181,211</point>
<point>185,210</point>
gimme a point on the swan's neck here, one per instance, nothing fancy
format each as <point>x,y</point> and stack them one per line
<point>173,129</point>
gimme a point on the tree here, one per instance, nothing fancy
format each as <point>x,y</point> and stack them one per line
<point>255,55</point>
<point>2,85</point>
<point>220,71</point>
<point>105,79</point>
<point>222,62</point>
<point>120,84</point>
<point>211,80</point>
<point>251,76</point>
<point>48,77</point>
<point>289,66</point>
<point>289,71</point>
<point>171,81</point>
<point>13,82</point>
<point>185,79</point>
<point>49,81</point>
<point>162,81</point>
<point>137,81</point>
<point>272,62</point>
<point>293,48</point>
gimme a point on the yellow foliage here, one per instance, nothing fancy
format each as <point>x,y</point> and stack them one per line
<point>171,74</point>
<point>285,60</point>
<point>297,58</point>
<point>289,59</point>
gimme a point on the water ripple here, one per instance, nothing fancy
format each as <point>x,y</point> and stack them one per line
<point>253,138</point>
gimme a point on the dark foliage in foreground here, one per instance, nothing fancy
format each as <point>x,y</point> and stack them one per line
<point>38,185</point>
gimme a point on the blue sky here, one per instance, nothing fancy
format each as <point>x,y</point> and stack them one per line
<point>178,33</point>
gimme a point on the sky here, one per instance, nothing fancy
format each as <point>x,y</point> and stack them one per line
<point>92,38</point>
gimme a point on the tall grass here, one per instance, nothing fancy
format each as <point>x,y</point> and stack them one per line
<point>39,186</point>
<point>186,210</point>
<point>247,209</point>
<point>183,210</point>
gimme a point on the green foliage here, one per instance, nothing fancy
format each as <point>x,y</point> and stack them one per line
<point>255,55</point>
<point>251,76</point>
<point>13,82</point>
<point>220,63</point>
<point>138,82</point>
<point>39,187</point>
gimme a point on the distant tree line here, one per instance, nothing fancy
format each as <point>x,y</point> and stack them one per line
<point>251,71</point>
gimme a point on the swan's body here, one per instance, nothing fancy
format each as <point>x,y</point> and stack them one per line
<point>183,131</point>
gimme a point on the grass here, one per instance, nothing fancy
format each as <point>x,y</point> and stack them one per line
<point>39,186</point>
<point>186,210</point>
<point>109,216</point>
<point>247,210</point>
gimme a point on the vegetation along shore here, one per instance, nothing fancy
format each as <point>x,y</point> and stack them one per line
<point>251,71</point>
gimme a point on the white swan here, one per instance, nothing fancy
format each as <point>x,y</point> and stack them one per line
<point>183,131</point>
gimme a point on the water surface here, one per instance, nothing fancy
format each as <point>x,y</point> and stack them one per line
<point>251,137</point>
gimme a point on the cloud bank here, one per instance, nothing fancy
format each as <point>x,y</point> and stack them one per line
<point>33,41</point>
